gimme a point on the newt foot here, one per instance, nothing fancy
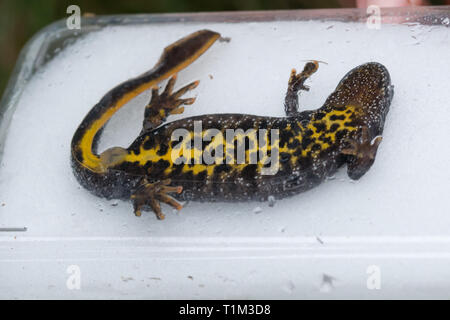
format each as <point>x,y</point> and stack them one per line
<point>152,194</point>
<point>166,103</point>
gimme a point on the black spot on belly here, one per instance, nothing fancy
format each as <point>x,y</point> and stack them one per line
<point>162,149</point>
<point>131,168</point>
<point>160,166</point>
<point>341,134</point>
<point>325,139</point>
<point>284,137</point>
<point>316,147</point>
<point>308,133</point>
<point>306,142</point>
<point>176,170</point>
<point>319,115</point>
<point>294,126</point>
<point>222,168</point>
<point>320,126</point>
<point>297,152</point>
<point>336,117</point>
<point>175,143</point>
<point>334,127</point>
<point>351,123</point>
<point>294,144</point>
<point>284,157</point>
<point>150,143</point>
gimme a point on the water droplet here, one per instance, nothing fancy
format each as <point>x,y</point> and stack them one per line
<point>327,283</point>
<point>271,200</point>
<point>257,210</point>
<point>289,287</point>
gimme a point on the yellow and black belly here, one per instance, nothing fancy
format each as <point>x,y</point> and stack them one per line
<point>307,146</point>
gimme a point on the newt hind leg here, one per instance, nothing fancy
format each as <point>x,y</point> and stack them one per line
<point>297,83</point>
<point>152,194</point>
<point>167,103</point>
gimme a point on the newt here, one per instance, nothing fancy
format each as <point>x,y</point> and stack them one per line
<point>310,145</point>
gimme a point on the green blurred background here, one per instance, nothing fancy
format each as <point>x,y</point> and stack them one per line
<point>20,19</point>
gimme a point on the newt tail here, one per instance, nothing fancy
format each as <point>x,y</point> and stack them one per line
<point>174,58</point>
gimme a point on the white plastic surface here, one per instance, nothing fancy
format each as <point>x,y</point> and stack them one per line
<point>331,242</point>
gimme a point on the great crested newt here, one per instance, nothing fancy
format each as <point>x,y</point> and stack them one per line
<point>309,145</point>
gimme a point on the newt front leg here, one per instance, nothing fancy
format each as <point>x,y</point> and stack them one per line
<point>166,103</point>
<point>297,83</point>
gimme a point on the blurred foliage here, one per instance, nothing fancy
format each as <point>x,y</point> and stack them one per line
<point>20,19</point>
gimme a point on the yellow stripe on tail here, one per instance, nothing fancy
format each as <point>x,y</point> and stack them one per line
<point>174,58</point>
